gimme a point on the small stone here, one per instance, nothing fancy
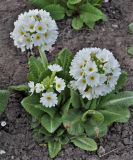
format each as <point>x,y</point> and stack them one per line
<point>126,141</point>
<point>3,123</point>
<point>114,25</point>
<point>101,151</point>
<point>2,152</point>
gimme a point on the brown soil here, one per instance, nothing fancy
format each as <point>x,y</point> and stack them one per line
<point>16,138</point>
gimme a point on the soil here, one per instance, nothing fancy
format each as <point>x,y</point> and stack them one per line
<point>16,137</point>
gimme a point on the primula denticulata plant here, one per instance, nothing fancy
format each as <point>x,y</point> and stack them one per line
<point>73,99</point>
<point>82,11</point>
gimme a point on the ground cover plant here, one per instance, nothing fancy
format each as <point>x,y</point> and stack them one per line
<point>74,98</point>
<point>83,11</point>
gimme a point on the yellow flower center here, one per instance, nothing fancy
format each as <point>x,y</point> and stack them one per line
<point>49,98</point>
<point>38,37</point>
<point>90,69</point>
<point>31,26</point>
<point>81,73</point>
<point>40,28</point>
<point>28,40</point>
<point>46,34</point>
<point>83,81</point>
<point>92,78</point>
<point>58,85</point>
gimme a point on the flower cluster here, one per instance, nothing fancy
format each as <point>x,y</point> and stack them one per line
<point>57,85</point>
<point>35,29</point>
<point>95,72</point>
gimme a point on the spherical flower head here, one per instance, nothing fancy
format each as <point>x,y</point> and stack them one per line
<point>59,84</point>
<point>49,99</point>
<point>95,72</point>
<point>35,28</point>
<point>39,88</point>
<point>32,87</point>
<point>55,68</point>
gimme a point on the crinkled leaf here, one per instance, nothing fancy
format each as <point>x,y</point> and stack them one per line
<point>120,99</point>
<point>29,105</point>
<point>41,3</point>
<point>85,143</point>
<point>20,88</point>
<point>36,70</point>
<point>74,1</point>
<point>95,116</point>
<point>131,27</point>
<point>50,111</point>
<point>90,14</point>
<point>4,96</point>
<point>130,51</point>
<point>115,114</point>
<point>54,148</point>
<point>64,59</point>
<point>77,23</point>
<point>66,106</point>
<point>95,130</point>
<point>121,81</point>
<point>51,123</point>
<point>56,11</point>
<point>72,122</point>
<point>75,99</point>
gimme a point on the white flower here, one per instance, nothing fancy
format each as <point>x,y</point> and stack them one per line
<point>35,29</point>
<point>32,87</point>
<point>59,84</point>
<point>38,39</point>
<point>81,83</point>
<point>55,68</point>
<point>39,88</point>
<point>41,27</point>
<point>95,72</point>
<point>93,79</point>
<point>90,67</point>
<point>49,99</point>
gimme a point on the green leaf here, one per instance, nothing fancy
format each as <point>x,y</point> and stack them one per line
<point>77,23</point>
<point>54,148</point>
<point>66,106</point>
<point>95,130</point>
<point>56,11</point>
<point>131,27</point>
<point>75,99</point>
<point>51,123</point>
<point>44,59</point>
<point>72,122</point>
<point>130,51</point>
<point>115,114</point>
<point>85,143</point>
<point>90,14</point>
<point>41,3</point>
<point>121,81</point>
<point>121,99</point>
<point>74,1</point>
<point>50,111</point>
<point>64,59</point>
<point>96,116</point>
<point>20,88</point>
<point>4,96</point>
<point>36,70</point>
<point>29,105</point>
